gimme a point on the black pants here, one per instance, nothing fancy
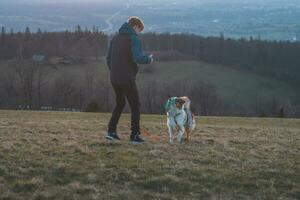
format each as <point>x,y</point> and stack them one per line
<point>129,92</point>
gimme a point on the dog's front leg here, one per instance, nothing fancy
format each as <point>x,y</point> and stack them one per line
<point>172,128</point>
<point>180,133</point>
<point>170,134</point>
<point>172,131</point>
<point>187,134</point>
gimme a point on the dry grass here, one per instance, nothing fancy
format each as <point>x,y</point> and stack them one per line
<point>57,155</point>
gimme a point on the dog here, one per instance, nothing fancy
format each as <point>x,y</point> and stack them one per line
<point>180,119</point>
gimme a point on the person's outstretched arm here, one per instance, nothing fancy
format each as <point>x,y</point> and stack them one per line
<point>137,53</point>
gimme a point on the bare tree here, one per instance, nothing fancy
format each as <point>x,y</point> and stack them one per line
<point>26,73</point>
<point>41,81</point>
<point>8,89</point>
<point>149,93</point>
<point>90,77</point>
<point>64,91</point>
<point>205,98</point>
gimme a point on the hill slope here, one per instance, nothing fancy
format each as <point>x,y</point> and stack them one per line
<point>234,86</point>
<point>58,155</point>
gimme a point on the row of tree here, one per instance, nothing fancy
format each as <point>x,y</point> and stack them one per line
<point>81,43</point>
<point>30,85</point>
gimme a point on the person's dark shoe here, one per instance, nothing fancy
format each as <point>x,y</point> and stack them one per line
<point>136,138</point>
<point>112,136</point>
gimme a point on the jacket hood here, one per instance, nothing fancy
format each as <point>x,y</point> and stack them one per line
<point>127,29</point>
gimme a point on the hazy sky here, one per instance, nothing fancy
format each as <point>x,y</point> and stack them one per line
<point>115,1</point>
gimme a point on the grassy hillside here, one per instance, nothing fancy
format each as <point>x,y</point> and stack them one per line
<point>58,155</point>
<point>234,86</point>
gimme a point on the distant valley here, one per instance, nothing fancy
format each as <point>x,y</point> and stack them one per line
<point>271,20</point>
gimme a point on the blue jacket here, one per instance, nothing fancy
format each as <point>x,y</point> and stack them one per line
<point>124,54</point>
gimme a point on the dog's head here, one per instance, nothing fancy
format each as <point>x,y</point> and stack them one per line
<point>187,103</point>
<point>179,103</point>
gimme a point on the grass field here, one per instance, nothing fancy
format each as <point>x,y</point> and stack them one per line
<point>59,155</point>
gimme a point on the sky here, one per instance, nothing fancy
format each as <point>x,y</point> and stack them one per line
<point>115,1</point>
<point>259,2</point>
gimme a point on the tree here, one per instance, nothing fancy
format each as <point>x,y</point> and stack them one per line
<point>92,107</point>
<point>149,95</point>
<point>3,35</point>
<point>281,113</point>
<point>26,73</point>
<point>90,75</point>
<point>27,34</point>
<point>41,81</point>
<point>64,91</point>
<point>206,97</point>
<point>9,96</point>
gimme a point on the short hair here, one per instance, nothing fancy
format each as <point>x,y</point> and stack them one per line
<point>135,21</point>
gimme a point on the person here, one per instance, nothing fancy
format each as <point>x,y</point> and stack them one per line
<point>124,55</point>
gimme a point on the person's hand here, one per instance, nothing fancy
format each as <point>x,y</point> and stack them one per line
<point>151,57</point>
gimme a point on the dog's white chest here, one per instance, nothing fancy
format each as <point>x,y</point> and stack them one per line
<point>181,117</point>
<point>176,116</point>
